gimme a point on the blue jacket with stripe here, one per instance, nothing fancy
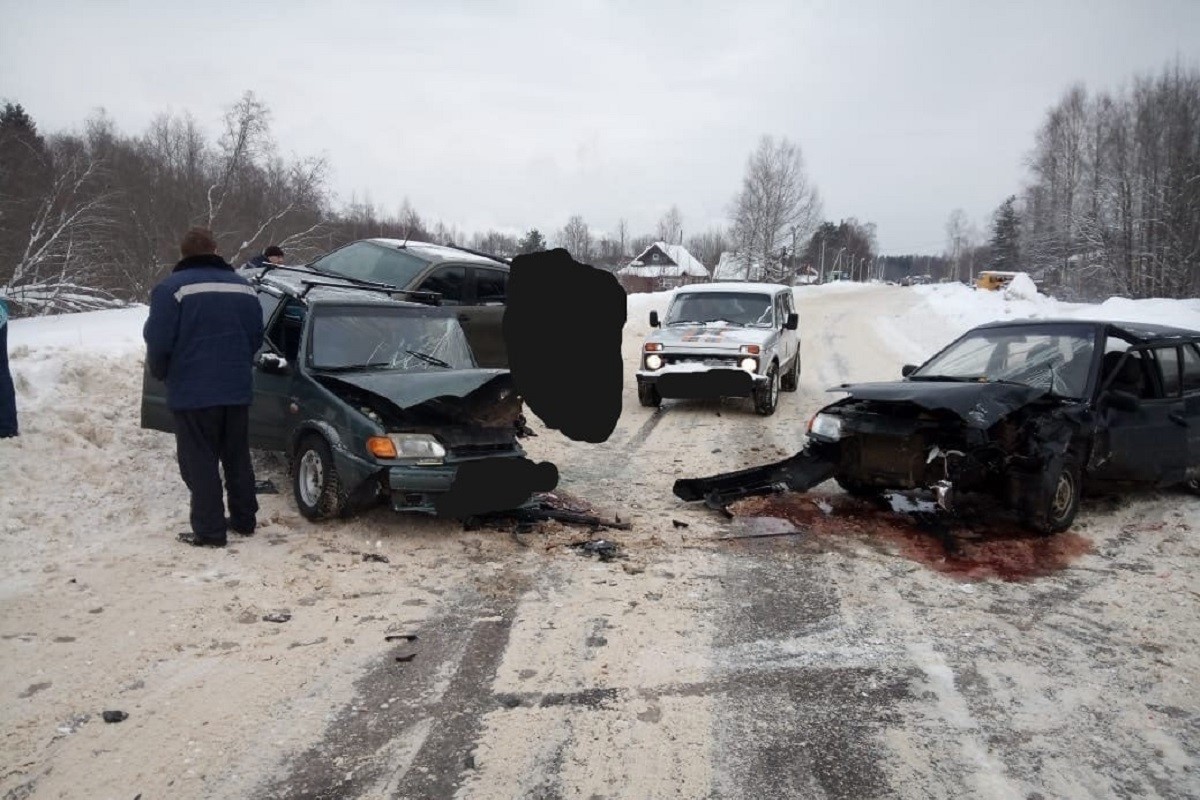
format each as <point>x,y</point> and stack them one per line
<point>204,328</point>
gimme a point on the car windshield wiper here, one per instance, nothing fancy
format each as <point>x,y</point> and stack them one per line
<point>729,322</point>
<point>686,322</point>
<point>437,362</point>
<point>356,367</point>
<point>952,378</point>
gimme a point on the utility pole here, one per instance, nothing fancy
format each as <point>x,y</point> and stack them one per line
<point>821,278</point>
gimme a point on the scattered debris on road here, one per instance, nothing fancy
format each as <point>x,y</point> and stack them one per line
<point>265,487</point>
<point>601,548</point>
<point>378,558</point>
<point>679,523</point>
<point>114,716</point>
<point>277,616</point>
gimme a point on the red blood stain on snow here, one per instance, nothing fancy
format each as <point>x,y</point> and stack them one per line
<point>1003,550</point>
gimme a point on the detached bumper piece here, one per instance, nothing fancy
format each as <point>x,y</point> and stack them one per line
<point>705,385</point>
<point>799,473</point>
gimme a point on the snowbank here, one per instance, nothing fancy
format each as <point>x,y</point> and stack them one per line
<point>46,353</point>
<point>945,311</point>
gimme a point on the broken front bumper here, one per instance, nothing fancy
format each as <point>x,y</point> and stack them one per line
<point>799,473</point>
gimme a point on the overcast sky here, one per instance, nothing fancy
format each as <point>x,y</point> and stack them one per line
<point>512,115</point>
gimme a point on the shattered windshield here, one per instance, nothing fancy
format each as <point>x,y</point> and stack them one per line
<point>734,308</point>
<point>1058,361</point>
<point>347,339</point>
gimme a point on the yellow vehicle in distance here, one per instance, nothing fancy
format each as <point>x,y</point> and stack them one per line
<point>994,280</point>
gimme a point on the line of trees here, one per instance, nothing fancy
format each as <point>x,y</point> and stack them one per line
<point>1112,206</point>
<point>92,218</point>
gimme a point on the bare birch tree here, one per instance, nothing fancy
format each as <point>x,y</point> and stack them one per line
<point>776,196</point>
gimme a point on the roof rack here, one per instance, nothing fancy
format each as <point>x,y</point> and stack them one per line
<point>420,296</point>
<point>492,256</point>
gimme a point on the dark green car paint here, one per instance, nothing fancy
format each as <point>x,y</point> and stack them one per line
<point>290,405</point>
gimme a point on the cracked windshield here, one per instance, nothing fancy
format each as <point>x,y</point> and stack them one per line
<point>1056,362</point>
<point>371,338</point>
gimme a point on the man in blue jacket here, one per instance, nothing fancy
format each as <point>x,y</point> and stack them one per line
<point>204,329</point>
<point>8,393</point>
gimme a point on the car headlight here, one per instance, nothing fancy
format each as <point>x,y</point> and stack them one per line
<point>420,448</point>
<point>749,364</point>
<point>654,362</point>
<point>826,426</point>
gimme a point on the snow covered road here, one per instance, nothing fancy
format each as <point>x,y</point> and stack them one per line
<point>784,667</point>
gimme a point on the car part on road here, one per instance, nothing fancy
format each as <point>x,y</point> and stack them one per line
<point>265,487</point>
<point>797,474</point>
<point>277,616</point>
<point>114,716</point>
<point>601,548</point>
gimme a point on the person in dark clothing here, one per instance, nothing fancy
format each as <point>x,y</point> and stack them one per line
<point>204,329</point>
<point>272,255</point>
<point>8,393</point>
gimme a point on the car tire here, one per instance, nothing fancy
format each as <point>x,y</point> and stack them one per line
<point>1055,511</point>
<point>316,484</point>
<point>790,381</point>
<point>648,395</point>
<point>766,398</point>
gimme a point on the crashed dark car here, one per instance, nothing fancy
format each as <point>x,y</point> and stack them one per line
<point>1030,412</point>
<point>371,397</point>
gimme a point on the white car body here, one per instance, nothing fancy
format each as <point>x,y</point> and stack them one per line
<point>688,346</point>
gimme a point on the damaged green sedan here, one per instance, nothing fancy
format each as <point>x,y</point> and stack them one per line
<point>372,398</point>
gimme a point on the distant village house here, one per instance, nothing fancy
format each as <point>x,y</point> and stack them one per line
<point>662,266</point>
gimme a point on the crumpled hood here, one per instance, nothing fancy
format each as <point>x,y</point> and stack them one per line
<point>980,405</point>
<point>710,337</point>
<point>409,389</point>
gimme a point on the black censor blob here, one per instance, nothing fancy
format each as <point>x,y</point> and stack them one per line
<point>562,328</point>
<point>494,484</point>
<point>705,385</point>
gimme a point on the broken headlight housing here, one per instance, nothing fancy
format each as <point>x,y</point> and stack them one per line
<point>417,448</point>
<point>826,426</point>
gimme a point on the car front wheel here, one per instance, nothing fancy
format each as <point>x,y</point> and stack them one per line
<point>1056,509</point>
<point>766,397</point>
<point>315,481</point>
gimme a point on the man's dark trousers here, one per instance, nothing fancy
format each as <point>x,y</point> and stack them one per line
<point>206,437</point>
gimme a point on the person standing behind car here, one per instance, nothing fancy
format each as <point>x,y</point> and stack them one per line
<point>8,393</point>
<point>272,255</point>
<point>204,329</point>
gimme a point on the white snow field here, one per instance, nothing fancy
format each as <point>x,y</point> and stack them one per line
<point>808,666</point>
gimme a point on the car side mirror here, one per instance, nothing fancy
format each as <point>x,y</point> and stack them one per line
<point>1122,400</point>
<point>793,321</point>
<point>654,319</point>
<point>908,369</point>
<point>273,363</point>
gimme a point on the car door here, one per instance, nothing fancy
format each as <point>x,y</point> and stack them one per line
<point>791,337</point>
<point>1190,385</point>
<point>1145,444</point>
<point>270,418</point>
<point>486,316</point>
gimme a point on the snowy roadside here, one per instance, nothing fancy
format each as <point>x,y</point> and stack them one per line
<point>946,311</point>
